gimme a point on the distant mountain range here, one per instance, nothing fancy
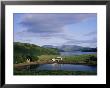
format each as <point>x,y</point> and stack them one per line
<point>70,48</point>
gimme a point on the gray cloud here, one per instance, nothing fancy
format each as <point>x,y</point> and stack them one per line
<point>90,41</point>
<point>44,35</point>
<point>51,23</point>
<point>91,33</point>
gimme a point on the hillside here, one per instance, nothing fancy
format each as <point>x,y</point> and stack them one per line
<point>71,48</point>
<point>22,51</point>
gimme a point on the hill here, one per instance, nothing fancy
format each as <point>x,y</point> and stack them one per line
<point>71,48</point>
<point>22,51</point>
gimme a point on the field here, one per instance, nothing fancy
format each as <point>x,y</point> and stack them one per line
<point>79,59</point>
<point>90,59</point>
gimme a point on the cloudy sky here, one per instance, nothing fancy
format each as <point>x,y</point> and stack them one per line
<point>56,28</point>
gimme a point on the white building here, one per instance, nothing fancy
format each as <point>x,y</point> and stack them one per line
<point>27,60</point>
<point>57,59</point>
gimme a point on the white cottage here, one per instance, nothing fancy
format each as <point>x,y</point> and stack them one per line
<point>57,59</point>
<point>27,60</point>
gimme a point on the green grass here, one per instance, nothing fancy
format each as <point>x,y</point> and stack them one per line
<point>55,72</point>
<point>81,59</point>
<point>46,57</point>
<point>70,59</point>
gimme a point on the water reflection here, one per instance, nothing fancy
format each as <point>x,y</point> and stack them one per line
<point>56,66</point>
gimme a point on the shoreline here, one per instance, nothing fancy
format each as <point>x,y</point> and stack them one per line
<point>34,63</point>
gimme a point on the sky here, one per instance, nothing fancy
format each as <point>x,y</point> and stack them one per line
<point>56,29</point>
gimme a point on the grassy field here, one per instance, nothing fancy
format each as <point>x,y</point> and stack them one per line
<point>90,59</point>
<point>81,59</point>
<point>46,57</point>
<point>54,72</point>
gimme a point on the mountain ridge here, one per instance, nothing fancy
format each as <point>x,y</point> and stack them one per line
<point>69,48</point>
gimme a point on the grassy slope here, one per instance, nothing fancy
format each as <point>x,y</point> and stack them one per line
<point>22,51</point>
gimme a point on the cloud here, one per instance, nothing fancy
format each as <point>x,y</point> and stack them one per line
<point>51,23</point>
<point>62,36</point>
<point>90,41</point>
<point>50,27</point>
<point>91,33</point>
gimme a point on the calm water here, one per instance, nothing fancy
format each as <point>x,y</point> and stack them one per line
<point>75,53</point>
<point>66,67</point>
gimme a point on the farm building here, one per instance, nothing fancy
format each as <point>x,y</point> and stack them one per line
<point>57,59</point>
